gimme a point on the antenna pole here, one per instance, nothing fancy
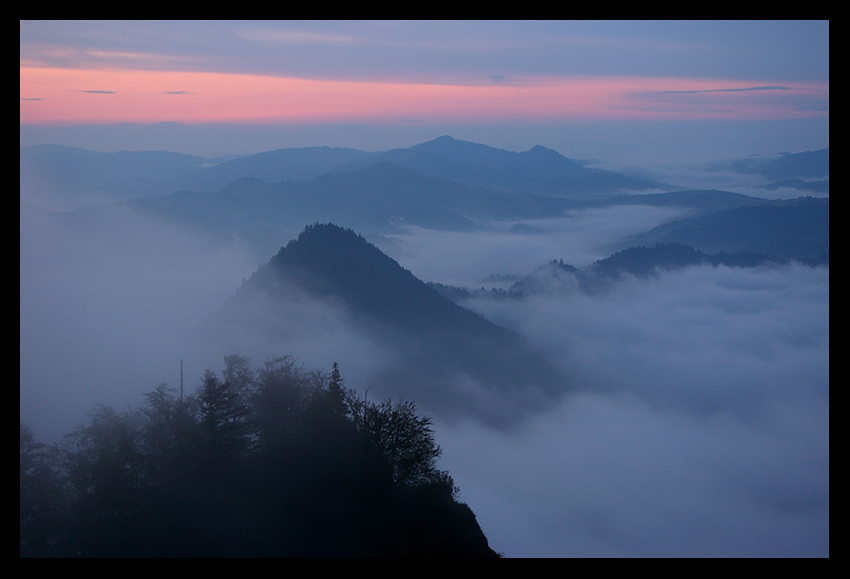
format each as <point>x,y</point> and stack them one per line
<point>181,380</point>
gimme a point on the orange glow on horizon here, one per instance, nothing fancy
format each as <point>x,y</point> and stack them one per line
<point>51,96</point>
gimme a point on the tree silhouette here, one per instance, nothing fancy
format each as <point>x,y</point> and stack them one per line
<point>41,497</point>
<point>403,438</point>
<point>223,416</point>
<point>274,461</point>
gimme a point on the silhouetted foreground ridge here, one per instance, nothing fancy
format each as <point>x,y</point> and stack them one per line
<point>267,462</point>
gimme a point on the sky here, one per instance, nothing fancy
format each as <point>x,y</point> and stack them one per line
<point>587,89</point>
<point>696,420</point>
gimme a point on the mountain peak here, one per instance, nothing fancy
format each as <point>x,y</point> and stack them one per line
<point>541,150</point>
<point>433,339</point>
<point>327,259</point>
<point>449,145</point>
<point>539,162</point>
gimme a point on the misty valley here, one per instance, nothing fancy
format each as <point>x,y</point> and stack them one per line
<point>446,350</point>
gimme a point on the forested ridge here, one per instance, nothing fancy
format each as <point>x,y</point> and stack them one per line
<point>273,461</point>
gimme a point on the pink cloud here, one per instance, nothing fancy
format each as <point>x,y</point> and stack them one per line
<point>67,96</point>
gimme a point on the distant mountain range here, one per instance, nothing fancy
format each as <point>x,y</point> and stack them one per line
<point>444,184</point>
<point>384,197</point>
<point>66,173</point>
<point>538,170</point>
<point>436,342</point>
<point>69,171</point>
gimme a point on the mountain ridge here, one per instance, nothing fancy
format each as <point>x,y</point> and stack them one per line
<point>537,170</point>
<point>638,261</point>
<point>436,341</point>
<point>541,169</point>
<point>118,174</point>
<point>785,229</point>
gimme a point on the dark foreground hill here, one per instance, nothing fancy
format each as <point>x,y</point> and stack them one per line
<point>436,342</point>
<point>272,462</point>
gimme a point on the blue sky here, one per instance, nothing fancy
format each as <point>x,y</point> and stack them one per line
<point>621,92</point>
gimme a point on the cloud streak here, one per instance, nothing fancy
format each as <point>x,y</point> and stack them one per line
<point>745,89</point>
<point>222,97</point>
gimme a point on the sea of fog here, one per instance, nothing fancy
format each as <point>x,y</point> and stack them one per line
<point>695,413</point>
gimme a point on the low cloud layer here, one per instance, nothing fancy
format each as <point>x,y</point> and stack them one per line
<point>702,427</point>
<point>612,476</point>
<point>467,258</point>
<point>694,421</point>
<point>107,304</point>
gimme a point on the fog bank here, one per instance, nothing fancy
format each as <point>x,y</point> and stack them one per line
<point>695,421</point>
<point>702,428</point>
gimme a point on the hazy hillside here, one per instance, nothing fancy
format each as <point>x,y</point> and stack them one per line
<point>538,170</point>
<point>436,341</point>
<point>378,197</point>
<point>384,197</point>
<point>643,262</point>
<point>807,171</point>
<point>64,176</point>
<point>794,229</point>
<point>805,165</point>
<point>73,175</point>
<point>295,164</point>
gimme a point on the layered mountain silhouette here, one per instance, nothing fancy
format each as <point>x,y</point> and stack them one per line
<point>443,184</point>
<point>819,186</point>
<point>805,165</point>
<point>126,174</point>
<point>808,171</point>
<point>381,197</point>
<point>538,170</point>
<point>292,164</point>
<point>795,229</point>
<point>438,343</point>
<point>68,172</point>
<point>644,262</point>
<point>641,262</point>
<point>58,176</point>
